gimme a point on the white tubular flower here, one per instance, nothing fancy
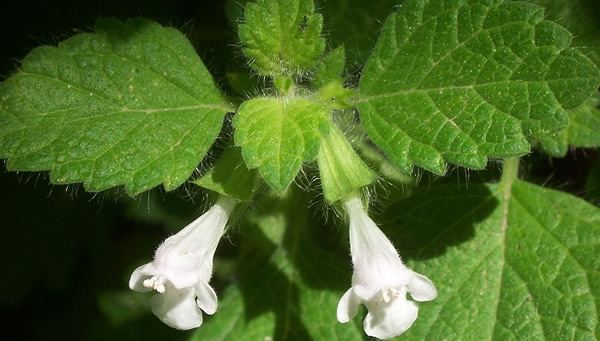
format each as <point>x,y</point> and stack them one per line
<point>380,280</point>
<point>181,269</point>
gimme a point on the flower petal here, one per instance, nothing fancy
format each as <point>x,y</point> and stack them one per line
<point>348,306</point>
<point>421,288</point>
<point>377,265</point>
<point>143,272</point>
<point>206,298</point>
<point>386,320</point>
<point>177,308</point>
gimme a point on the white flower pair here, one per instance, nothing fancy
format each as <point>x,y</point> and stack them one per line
<point>182,267</point>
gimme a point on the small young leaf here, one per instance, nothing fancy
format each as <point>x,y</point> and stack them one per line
<point>461,81</point>
<point>230,176</point>
<point>131,104</point>
<point>330,68</point>
<point>281,38</point>
<point>556,145</point>
<point>284,85</point>
<point>584,124</point>
<point>340,168</point>
<point>243,83</point>
<point>509,262</point>
<point>583,130</point>
<point>276,135</point>
<point>355,24</point>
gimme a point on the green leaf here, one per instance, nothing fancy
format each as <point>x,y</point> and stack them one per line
<point>461,81</point>
<point>330,68</point>
<point>583,130</point>
<point>284,85</point>
<point>584,124</point>
<point>131,104</point>
<point>355,24</point>
<point>288,283</point>
<point>230,176</point>
<point>581,18</point>
<point>510,262</point>
<point>276,135</point>
<point>281,37</point>
<point>341,169</point>
<point>556,145</point>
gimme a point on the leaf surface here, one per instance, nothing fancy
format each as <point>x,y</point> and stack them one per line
<point>584,124</point>
<point>510,262</point>
<point>581,18</point>
<point>461,81</point>
<point>131,104</point>
<point>277,135</point>
<point>281,37</point>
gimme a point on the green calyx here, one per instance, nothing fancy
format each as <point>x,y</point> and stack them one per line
<point>341,169</point>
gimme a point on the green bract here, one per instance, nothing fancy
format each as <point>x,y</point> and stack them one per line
<point>341,169</point>
<point>281,37</point>
<point>277,134</point>
<point>230,176</point>
<point>330,68</point>
<point>461,81</point>
<point>131,104</point>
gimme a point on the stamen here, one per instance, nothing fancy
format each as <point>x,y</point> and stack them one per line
<point>386,296</point>
<point>156,283</point>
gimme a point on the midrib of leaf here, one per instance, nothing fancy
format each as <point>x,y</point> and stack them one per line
<point>418,89</point>
<point>458,287</point>
<point>567,255</point>
<point>567,250</point>
<point>362,98</point>
<point>509,174</point>
<point>505,188</point>
<point>280,31</point>
<point>110,102</point>
<point>147,111</point>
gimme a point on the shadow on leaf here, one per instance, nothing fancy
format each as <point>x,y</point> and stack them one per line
<point>434,220</point>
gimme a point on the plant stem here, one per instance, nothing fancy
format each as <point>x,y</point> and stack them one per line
<point>510,171</point>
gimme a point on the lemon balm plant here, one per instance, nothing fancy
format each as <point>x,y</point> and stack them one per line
<point>448,84</point>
